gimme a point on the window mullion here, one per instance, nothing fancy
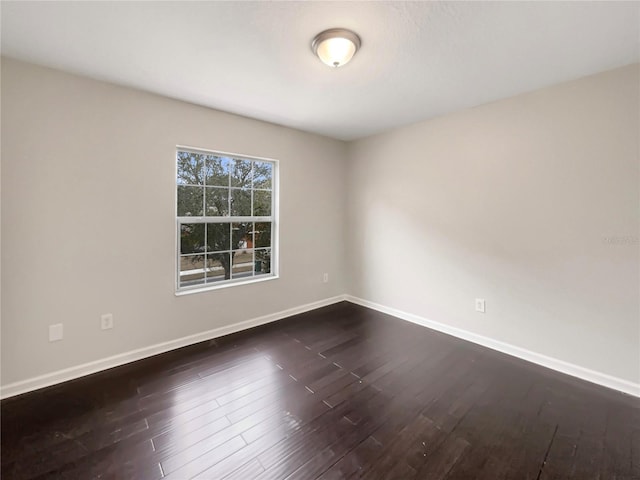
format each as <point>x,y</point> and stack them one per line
<point>237,219</point>
<point>193,230</point>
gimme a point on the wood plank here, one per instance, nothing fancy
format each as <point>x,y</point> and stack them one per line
<point>339,392</point>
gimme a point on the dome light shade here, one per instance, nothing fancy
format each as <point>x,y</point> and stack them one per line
<point>335,47</point>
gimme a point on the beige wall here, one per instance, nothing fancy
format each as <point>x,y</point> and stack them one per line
<point>512,202</point>
<point>88,227</point>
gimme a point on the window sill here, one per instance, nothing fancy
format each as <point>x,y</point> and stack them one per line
<point>207,288</point>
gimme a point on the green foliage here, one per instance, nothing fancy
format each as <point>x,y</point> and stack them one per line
<point>190,168</point>
<point>262,235</point>
<point>217,186</point>
<point>189,201</point>
<point>261,203</point>
<point>241,203</point>
<point>192,238</point>
<point>242,174</point>
<point>217,170</point>
<point>262,175</point>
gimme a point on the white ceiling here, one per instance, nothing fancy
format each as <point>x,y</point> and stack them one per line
<point>418,59</point>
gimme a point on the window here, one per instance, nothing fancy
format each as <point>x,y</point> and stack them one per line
<point>226,219</point>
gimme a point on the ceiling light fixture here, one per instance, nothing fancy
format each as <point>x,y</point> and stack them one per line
<point>335,47</point>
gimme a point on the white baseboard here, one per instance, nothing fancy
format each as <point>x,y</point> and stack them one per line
<point>533,357</point>
<point>71,373</point>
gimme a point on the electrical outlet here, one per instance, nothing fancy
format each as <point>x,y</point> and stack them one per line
<point>480,306</point>
<point>106,321</point>
<point>325,278</point>
<point>56,332</point>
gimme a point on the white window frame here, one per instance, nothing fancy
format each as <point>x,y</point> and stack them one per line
<point>274,219</point>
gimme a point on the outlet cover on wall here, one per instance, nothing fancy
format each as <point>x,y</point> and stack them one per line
<point>480,305</point>
<point>56,332</point>
<point>106,321</point>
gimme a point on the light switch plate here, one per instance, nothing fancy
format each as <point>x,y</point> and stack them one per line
<point>480,305</point>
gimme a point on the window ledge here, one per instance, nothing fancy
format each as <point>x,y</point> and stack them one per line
<point>206,288</point>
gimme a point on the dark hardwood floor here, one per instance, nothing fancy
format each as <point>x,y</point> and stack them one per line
<point>340,392</point>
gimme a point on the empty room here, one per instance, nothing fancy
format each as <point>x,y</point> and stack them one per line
<point>320,240</point>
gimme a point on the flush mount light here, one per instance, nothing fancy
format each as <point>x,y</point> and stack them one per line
<point>336,46</point>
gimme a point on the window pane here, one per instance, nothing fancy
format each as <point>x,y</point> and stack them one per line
<point>189,201</point>
<point>242,236</point>
<point>192,238</point>
<point>218,237</point>
<point>241,174</point>
<point>191,270</point>
<point>190,168</point>
<point>262,175</point>
<point>262,203</point>
<point>217,170</point>
<point>218,267</point>
<point>218,186</point>
<point>262,263</point>
<point>241,202</point>
<point>242,264</point>
<point>217,201</point>
<point>263,234</point>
